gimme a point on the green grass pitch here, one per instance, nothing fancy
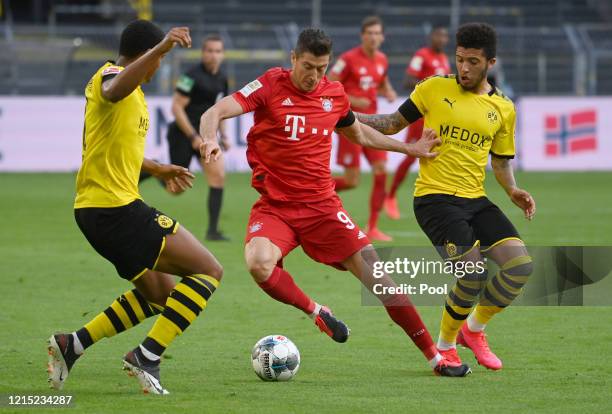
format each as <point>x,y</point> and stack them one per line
<point>556,359</point>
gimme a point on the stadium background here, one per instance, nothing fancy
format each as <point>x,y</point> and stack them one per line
<point>555,57</point>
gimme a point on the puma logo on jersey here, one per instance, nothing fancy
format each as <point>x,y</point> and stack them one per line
<point>449,102</point>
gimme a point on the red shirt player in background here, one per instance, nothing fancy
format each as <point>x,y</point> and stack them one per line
<point>363,72</point>
<point>289,149</point>
<point>426,62</point>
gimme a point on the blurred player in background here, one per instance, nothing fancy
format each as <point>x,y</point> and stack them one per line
<point>295,113</point>
<point>450,205</point>
<point>197,90</point>
<point>426,62</point>
<point>146,246</point>
<point>363,72</point>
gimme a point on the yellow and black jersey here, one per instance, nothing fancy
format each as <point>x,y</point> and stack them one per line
<point>470,126</point>
<point>113,145</point>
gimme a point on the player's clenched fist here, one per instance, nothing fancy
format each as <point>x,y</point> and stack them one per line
<point>422,148</point>
<point>176,35</point>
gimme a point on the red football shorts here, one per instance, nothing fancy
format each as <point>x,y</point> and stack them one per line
<point>349,154</point>
<point>415,130</point>
<point>323,228</point>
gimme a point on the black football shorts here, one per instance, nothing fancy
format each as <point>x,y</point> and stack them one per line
<point>131,237</point>
<point>454,224</point>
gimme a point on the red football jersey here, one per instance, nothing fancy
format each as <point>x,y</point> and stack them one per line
<point>289,146</point>
<point>426,62</point>
<point>361,75</point>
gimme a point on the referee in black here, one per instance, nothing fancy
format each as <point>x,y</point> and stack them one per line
<point>197,90</point>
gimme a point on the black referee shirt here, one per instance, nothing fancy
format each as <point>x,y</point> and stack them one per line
<point>203,89</point>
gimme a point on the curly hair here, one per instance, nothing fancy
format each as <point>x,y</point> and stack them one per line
<point>478,36</point>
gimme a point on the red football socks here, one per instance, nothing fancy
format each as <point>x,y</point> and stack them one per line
<point>280,286</point>
<point>400,174</point>
<point>377,199</point>
<point>406,315</point>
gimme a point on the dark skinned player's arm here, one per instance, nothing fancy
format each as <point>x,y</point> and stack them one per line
<point>150,166</point>
<point>122,85</point>
<point>133,75</point>
<point>177,178</point>
<point>504,174</point>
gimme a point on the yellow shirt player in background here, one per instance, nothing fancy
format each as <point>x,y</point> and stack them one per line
<point>473,120</point>
<point>146,246</point>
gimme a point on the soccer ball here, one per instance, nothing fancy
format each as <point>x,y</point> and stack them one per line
<point>275,358</point>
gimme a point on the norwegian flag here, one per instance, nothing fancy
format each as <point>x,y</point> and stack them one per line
<point>571,133</point>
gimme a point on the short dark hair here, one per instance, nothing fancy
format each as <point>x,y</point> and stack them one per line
<point>138,37</point>
<point>371,21</point>
<point>213,37</point>
<point>314,41</point>
<point>478,36</point>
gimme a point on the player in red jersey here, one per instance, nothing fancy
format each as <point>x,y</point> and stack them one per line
<point>426,62</point>
<point>363,72</point>
<point>289,148</point>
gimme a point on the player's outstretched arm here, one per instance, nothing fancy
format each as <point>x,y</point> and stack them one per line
<point>388,124</point>
<point>177,178</point>
<point>367,136</point>
<point>226,108</point>
<point>505,177</point>
<point>133,75</point>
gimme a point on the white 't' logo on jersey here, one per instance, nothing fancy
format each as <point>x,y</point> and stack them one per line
<point>296,124</point>
<point>292,124</point>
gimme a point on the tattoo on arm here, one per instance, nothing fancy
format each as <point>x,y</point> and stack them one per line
<point>387,124</point>
<point>500,163</point>
<point>504,174</point>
